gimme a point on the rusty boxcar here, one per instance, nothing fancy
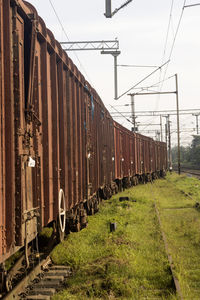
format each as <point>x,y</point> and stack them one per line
<point>60,150</point>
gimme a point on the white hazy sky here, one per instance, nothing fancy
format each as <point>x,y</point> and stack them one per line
<point>141,29</point>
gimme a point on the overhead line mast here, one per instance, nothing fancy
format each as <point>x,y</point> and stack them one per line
<point>106,47</point>
<point>91,45</point>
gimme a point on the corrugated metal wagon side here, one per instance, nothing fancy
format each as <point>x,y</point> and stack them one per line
<point>63,114</point>
<point>160,158</point>
<point>60,150</point>
<point>18,201</point>
<point>126,156</point>
<point>100,145</point>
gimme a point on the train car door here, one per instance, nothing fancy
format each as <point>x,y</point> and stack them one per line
<point>26,165</point>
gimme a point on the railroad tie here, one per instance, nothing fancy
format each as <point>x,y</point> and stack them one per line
<point>44,291</point>
<point>51,281</point>
<point>38,297</point>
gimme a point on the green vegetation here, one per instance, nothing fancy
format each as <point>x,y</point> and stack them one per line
<point>131,262</point>
<point>44,238</point>
<point>181,223</point>
<point>12,260</point>
<point>190,155</point>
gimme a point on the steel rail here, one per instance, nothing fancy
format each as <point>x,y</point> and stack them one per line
<point>12,295</point>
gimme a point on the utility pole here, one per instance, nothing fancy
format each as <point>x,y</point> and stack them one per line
<point>178,129</point>
<point>157,136</point>
<point>134,129</point>
<point>169,145</point>
<point>161,135</point>
<point>166,132</point>
<point>166,135</point>
<point>114,54</point>
<point>177,114</point>
<point>197,121</point>
<point>133,111</point>
<point>108,13</point>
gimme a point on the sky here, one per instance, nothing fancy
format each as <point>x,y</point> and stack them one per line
<point>141,28</point>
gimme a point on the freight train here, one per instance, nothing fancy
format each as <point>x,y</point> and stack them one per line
<point>60,150</point>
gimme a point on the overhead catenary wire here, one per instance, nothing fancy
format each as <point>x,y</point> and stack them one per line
<point>167,34</point>
<point>137,66</point>
<point>66,35</point>
<point>166,41</point>
<point>191,5</point>
<point>153,85</point>
<point>127,119</point>
<point>165,79</point>
<point>175,36</point>
<point>168,28</point>
<point>164,52</point>
<point>158,112</point>
<point>143,79</point>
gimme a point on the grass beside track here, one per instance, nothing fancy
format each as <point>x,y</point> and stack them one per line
<point>181,223</point>
<point>131,262</point>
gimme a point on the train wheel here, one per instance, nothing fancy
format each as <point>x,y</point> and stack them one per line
<point>61,216</point>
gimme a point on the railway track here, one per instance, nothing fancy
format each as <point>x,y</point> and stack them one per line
<point>176,283</point>
<point>189,171</point>
<point>33,275</point>
<point>42,283</point>
<point>192,172</point>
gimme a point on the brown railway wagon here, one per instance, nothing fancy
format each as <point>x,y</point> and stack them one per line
<point>140,154</point>
<point>60,150</point>
<point>56,135</point>
<point>160,158</point>
<point>43,101</point>
<point>137,157</point>
<point>125,153</point>
<point>100,147</point>
<point>163,156</point>
<point>147,154</point>
<point>132,155</point>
